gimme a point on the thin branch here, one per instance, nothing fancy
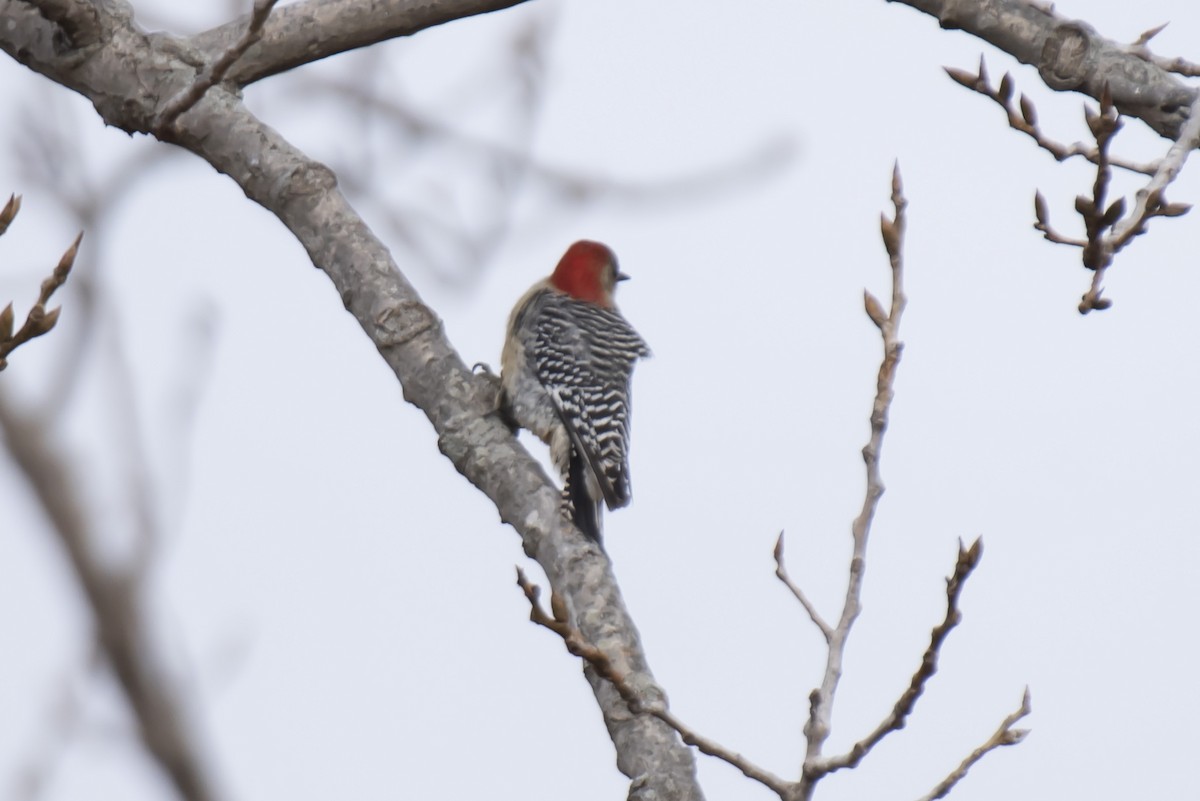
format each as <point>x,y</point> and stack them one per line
<point>968,560</point>
<point>1004,735</point>
<point>1022,116</point>
<point>819,725</point>
<point>1041,222</point>
<point>1071,56</point>
<point>38,321</point>
<point>215,72</point>
<point>1179,66</point>
<point>782,574</point>
<point>1149,202</point>
<point>578,645</point>
<point>1107,230</point>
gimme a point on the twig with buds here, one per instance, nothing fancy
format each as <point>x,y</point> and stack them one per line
<point>1022,116</point>
<point>1004,735</point>
<point>1108,228</point>
<point>38,321</point>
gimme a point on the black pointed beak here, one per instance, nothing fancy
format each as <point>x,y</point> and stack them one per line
<point>622,276</point>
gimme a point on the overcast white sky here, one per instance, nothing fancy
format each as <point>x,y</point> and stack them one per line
<point>344,601</point>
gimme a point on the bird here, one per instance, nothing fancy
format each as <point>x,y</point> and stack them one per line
<point>565,376</point>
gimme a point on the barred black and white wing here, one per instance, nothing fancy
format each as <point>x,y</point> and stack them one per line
<point>584,355</point>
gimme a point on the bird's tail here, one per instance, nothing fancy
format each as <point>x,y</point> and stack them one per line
<point>579,505</point>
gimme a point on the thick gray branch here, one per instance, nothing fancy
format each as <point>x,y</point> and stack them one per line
<point>309,31</point>
<point>1071,56</point>
<point>129,78</point>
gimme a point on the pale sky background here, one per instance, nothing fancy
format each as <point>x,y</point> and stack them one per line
<point>344,601</point>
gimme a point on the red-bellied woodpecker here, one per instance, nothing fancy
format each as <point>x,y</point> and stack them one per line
<point>565,373</point>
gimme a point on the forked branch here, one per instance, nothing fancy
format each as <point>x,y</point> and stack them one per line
<point>1107,225</point>
<point>215,72</point>
<point>578,645</point>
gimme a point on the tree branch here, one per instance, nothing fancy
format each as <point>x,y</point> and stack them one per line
<point>819,724</point>
<point>1004,735</point>
<point>38,321</point>
<point>578,645</point>
<point>782,574</point>
<point>1022,116</point>
<point>215,72</point>
<point>309,31</point>
<point>1071,56</point>
<point>1149,202</point>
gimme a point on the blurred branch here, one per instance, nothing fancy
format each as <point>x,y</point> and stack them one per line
<point>58,725</point>
<point>52,155</point>
<point>455,244</point>
<point>1071,56</point>
<point>215,72</point>
<point>117,600</point>
<point>1004,735</point>
<point>38,321</point>
<point>311,30</point>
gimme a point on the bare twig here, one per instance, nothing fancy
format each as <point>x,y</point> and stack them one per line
<point>215,72</point>
<point>819,724</point>
<point>578,645</point>
<point>1022,116</point>
<point>1004,735</point>
<point>1041,222</point>
<point>782,574</point>
<point>38,321</point>
<point>1179,66</point>
<point>968,560</point>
